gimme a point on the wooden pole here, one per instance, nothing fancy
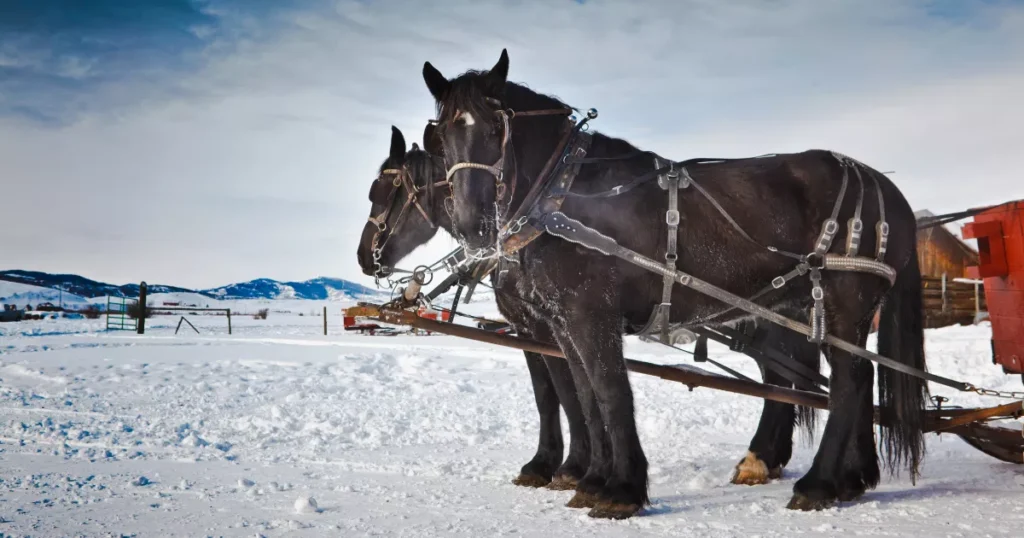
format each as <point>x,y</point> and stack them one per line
<point>944,301</point>
<point>977,300</point>
<point>229,320</point>
<point>934,418</point>
<point>142,308</point>
<point>689,378</point>
<point>325,321</point>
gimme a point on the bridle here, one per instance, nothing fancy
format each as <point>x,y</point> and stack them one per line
<point>401,178</point>
<point>498,168</point>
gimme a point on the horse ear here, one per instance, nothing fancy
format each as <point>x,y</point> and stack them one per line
<point>431,142</point>
<point>436,82</point>
<point>397,145</point>
<point>496,77</point>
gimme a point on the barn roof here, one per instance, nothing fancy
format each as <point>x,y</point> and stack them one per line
<point>953,233</point>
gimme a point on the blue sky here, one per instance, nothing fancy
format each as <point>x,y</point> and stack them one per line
<point>198,143</point>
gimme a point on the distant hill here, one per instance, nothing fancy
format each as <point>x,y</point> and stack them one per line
<point>317,288</point>
<point>263,288</point>
<point>79,285</point>
<point>22,295</point>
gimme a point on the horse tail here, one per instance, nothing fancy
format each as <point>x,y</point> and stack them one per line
<point>900,396</point>
<point>808,354</point>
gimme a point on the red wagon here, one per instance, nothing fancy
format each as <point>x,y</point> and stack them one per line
<point>999,231</point>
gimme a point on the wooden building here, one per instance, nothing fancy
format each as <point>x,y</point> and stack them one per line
<point>939,252</point>
<point>944,258</point>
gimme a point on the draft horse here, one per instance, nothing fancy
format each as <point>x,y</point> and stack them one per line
<point>740,223</point>
<point>416,178</point>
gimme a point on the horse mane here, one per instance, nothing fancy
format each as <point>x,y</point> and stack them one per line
<point>424,169</point>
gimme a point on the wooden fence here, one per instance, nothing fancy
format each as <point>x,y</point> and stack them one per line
<point>948,302</point>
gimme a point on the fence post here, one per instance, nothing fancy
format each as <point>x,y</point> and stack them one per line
<point>142,308</point>
<point>325,321</point>
<point>977,300</point>
<point>944,292</point>
<point>229,321</point>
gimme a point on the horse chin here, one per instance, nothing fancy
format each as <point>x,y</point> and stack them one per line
<point>480,242</point>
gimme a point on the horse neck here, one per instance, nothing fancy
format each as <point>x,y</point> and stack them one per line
<point>535,149</point>
<point>437,211</point>
<point>531,149</point>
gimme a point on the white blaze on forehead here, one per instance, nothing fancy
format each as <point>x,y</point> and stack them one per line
<point>467,118</point>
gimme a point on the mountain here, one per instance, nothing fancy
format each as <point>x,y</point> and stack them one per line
<point>22,295</point>
<point>317,288</point>
<point>81,286</point>
<point>263,288</point>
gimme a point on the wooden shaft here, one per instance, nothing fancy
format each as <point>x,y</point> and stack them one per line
<point>325,321</point>
<point>935,419</point>
<point>974,415</point>
<point>229,320</point>
<point>689,378</point>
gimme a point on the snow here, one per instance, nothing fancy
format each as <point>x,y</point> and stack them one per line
<point>279,430</point>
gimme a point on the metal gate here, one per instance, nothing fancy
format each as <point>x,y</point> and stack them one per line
<point>118,318</point>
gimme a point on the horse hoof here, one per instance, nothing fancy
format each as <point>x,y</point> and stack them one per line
<point>563,483</point>
<point>583,500</point>
<point>807,504</point>
<point>531,481</point>
<point>609,510</point>
<point>752,471</point>
<point>775,473</point>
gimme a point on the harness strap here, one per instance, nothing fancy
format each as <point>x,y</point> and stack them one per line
<point>714,203</point>
<point>855,225</point>
<point>817,317</point>
<point>558,175</point>
<point>663,312</point>
<point>831,225</point>
<point>545,176</point>
<point>494,170</point>
<point>558,224</point>
<point>542,112</point>
<point>882,228</point>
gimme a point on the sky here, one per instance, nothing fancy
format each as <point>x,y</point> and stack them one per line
<point>198,143</point>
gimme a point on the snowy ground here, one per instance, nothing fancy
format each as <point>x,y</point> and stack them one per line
<point>194,435</point>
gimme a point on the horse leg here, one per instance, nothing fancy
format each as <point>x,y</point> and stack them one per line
<point>846,463</point>
<point>589,487</point>
<point>596,336</point>
<point>772,445</point>
<point>539,470</point>
<point>568,475</point>
<point>859,469</point>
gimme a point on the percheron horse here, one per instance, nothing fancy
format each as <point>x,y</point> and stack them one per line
<point>497,137</point>
<point>418,174</point>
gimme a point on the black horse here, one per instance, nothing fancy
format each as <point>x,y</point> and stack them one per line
<point>504,132</point>
<point>393,233</point>
<point>771,447</point>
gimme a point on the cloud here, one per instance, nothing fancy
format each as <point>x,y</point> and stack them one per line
<point>238,139</point>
